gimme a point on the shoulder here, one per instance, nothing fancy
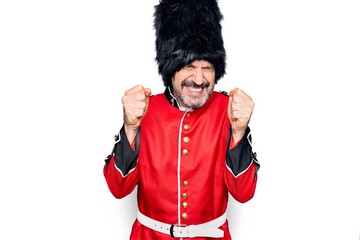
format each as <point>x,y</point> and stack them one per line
<point>158,101</point>
<point>220,96</point>
<point>158,98</point>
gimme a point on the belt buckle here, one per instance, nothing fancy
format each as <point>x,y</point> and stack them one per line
<point>172,229</point>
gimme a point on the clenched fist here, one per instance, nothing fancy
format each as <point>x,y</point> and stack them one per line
<point>135,103</point>
<point>240,109</point>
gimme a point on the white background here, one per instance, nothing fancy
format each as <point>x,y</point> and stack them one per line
<point>64,66</point>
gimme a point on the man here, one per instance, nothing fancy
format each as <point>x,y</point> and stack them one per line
<point>187,148</point>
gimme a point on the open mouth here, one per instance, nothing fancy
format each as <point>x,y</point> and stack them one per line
<point>195,89</point>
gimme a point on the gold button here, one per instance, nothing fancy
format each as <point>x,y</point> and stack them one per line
<point>185,183</point>
<point>188,114</point>
<point>186,126</point>
<point>184,195</point>
<point>185,204</point>
<point>184,215</point>
<point>185,152</point>
<point>186,139</point>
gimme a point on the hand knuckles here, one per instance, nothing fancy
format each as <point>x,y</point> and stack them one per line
<point>124,99</point>
<point>141,96</point>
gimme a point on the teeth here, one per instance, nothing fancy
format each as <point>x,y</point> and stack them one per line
<point>195,89</point>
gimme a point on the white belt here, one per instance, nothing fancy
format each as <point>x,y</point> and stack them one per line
<point>208,229</point>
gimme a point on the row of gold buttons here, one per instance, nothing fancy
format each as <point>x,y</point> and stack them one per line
<point>185,183</point>
<point>186,140</point>
<point>185,204</point>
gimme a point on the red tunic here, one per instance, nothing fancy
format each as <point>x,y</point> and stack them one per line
<point>181,170</point>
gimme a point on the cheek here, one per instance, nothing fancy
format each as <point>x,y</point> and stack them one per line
<point>178,78</point>
<point>178,82</point>
<point>177,85</point>
<point>211,88</point>
<point>212,84</point>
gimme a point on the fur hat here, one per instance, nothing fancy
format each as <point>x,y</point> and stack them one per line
<point>188,30</point>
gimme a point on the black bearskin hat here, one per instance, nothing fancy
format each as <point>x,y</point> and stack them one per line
<point>188,30</point>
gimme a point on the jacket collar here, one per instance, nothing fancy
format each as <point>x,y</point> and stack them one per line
<point>173,101</point>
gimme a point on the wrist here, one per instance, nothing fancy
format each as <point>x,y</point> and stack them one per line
<point>131,132</point>
<point>237,134</point>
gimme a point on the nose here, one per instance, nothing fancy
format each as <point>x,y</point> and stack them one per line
<point>198,75</point>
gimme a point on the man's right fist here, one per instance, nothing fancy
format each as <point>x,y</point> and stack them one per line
<point>135,103</point>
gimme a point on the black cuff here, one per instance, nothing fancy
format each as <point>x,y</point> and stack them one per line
<point>125,157</point>
<point>241,156</point>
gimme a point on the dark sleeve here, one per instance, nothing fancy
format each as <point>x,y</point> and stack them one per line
<point>125,156</point>
<point>240,157</point>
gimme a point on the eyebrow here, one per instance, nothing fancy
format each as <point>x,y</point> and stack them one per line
<point>207,66</point>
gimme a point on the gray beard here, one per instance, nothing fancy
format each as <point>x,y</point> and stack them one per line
<point>191,102</point>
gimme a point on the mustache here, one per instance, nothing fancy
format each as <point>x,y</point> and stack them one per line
<point>190,83</point>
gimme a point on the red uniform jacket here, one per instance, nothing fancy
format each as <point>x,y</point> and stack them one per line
<point>182,165</point>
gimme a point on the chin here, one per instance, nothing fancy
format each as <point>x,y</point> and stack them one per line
<point>196,104</point>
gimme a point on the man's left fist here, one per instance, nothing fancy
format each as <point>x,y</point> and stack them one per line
<point>240,109</point>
